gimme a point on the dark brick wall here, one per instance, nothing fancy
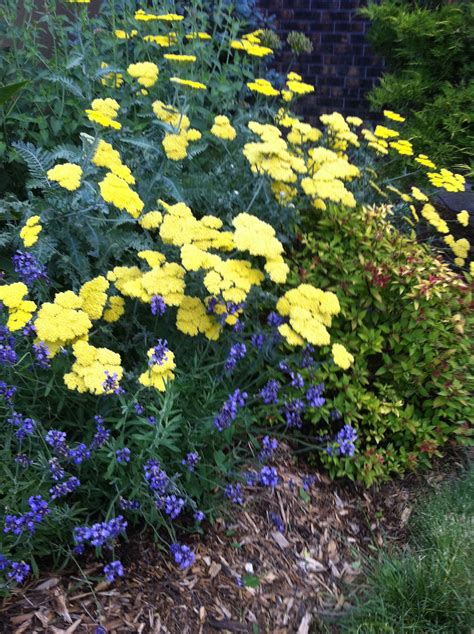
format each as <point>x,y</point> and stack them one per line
<point>342,66</point>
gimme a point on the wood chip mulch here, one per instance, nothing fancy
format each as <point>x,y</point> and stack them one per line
<point>291,579</point>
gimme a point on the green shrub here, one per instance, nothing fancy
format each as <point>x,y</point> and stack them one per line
<point>406,319</point>
<point>428,50</point>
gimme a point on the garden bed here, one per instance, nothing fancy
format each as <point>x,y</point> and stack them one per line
<point>291,579</point>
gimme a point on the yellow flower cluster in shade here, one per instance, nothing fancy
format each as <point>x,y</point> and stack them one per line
<point>120,34</point>
<point>341,356</point>
<point>175,144</point>
<point>383,132</point>
<point>20,310</point>
<point>183,59</point>
<point>272,156</point>
<point>164,41</point>
<point>106,156</point>
<point>379,145</point>
<point>418,194</point>
<point>447,180</point>
<point>104,112</point>
<point>193,319</point>
<point>394,116</point>
<point>340,136</point>
<point>115,190</point>
<point>403,147</point>
<point>460,248</point>
<point>328,171</point>
<point>62,321</point>
<point>146,73</point>
<point>91,368</point>
<point>424,160</point>
<point>432,216</point>
<point>30,231</point>
<point>115,309</point>
<point>68,175</point>
<point>251,44</point>
<point>309,311</point>
<point>295,86</point>
<point>151,220</point>
<point>188,83</point>
<point>158,375</point>
<point>247,227</point>
<point>463,218</point>
<point>223,129</point>
<point>303,133</point>
<point>111,79</point>
<point>198,35</point>
<point>264,87</point>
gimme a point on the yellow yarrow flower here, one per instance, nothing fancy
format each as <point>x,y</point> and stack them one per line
<point>115,309</point>
<point>20,310</point>
<point>422,159</point>
<point>146,73</point>
<point>120,34</point>
<point>106,156</point>
<point>463,218</point>
<point>264,87</point>
<point>115,190</point>
<point>30,231</point>
<point>159,374</point>
<point>393,116</point>
<point>94,297</point>
<point>196,85</point>
<point>92,367</point>
<point>68,175</point>
<point>174,57</point>
<point>111,79</point>
<point>151,220</point>
<point>199,35</point>
<point>192,318</point>
<point>432,216</point>
<point>223,129</point>
<point>104,112</point>
<point>341,356</point>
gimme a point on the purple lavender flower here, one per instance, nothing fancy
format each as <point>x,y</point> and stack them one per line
<point>158,306</point>
<point>275,320</point>
<point>139,409</point>
<point>269,393</point>
<point>113,570</point>
<point>173,505</point>
<point>336,414</point>
<point>258,341</point>
<point>16,524</point>
<point>345,440</point>
<point>269,477</point>
<point>8,356</point>
<point>7,392</point>
<point>29,330</point>
<point>199,516</point>
<point>297,380</point>
<point>307,360</point>
<point>292,413</point>
<point>25,426</point>
<point>111,383</point>
<point>100,533</point>
<point>182,555</point>
<point>101,436</point>
<point>237,352</point>
<point>270,445</point>
<point>229,410</point>
<point>64,488</point>
<point>123,455</point>
<point>234,493</point>
<point>159,353</point>
<point>57,440</point>
<point>157,478</point>
<point>80,453</point>
<point>250,478</point>
<point>28,268</point>
<point>23,460</point>
<point>19,571</point>
<point>56,470</point>
<point>152,420</point>
<point>129,505</point>
<point>41,353</point>
<point>308,482</point>
<point>314,395</point>
<point>278,522</point>
<point>191,460</point>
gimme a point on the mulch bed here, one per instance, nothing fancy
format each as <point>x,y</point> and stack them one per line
<point>306,573</point>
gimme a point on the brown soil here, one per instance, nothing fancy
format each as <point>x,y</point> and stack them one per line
<point>300,576</point>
